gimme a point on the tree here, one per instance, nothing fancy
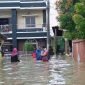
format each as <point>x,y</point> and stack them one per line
<point>72,19</point>
<point>79,19</point>
<point>66,11</point>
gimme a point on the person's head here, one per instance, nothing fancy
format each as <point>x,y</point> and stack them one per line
<point>43,47</point>
<point>14,49</point>
<point>39,47</point>
<point>14,52</point>
<point>35,48</point>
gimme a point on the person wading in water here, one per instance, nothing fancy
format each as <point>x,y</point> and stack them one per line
<point>14,55</point>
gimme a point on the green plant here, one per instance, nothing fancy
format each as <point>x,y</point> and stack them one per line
<point>66,12</point>
<point>66,22</point>
<point>28,46</point>
<point>79,19</point>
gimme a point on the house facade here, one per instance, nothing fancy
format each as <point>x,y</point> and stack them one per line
<point>23,20</point>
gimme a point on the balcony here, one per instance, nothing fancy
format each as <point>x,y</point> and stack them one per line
<point>8,29</point>
<point>31,32</point>
<point>5,28</point>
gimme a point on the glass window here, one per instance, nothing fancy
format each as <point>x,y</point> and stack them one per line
<point>30,21</point>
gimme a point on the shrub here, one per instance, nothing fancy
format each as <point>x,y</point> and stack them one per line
<point>28,46</point>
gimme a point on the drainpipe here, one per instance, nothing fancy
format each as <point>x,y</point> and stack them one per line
<point>55,40</point>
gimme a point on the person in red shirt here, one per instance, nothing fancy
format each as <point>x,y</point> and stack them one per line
<point>34,54</point>
<point>44,54</point>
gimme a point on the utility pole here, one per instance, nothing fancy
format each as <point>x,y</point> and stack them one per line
<point>55,40</point>
<point>48,23</point>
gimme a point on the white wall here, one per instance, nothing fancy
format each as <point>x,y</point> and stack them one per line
<point>5,13</point>
<point>21,17</point>
<point>53,15</point>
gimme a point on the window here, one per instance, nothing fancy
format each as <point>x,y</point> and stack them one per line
<point>4,21</point>
<point>30,21</point>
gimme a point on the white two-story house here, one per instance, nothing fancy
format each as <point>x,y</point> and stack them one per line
<point>23,20</point>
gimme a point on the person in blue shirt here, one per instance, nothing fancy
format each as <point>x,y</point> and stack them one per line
<point>38,54</point>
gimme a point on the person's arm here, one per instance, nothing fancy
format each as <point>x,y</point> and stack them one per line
<point>45,53</point>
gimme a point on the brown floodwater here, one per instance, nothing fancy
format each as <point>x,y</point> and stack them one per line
<point>58,71</point>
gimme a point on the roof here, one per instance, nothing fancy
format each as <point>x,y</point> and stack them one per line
<point>20,4</point>
<point>22,0</point>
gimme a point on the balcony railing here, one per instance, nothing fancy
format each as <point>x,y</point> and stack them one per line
<point>8,28</point>
<point>5,28</point>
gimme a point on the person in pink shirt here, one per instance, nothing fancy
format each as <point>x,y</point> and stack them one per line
<point>14,55</point>
<point>44,54</point>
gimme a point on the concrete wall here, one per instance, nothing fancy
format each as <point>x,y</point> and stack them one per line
<point>5,13</point>
<point>21,14</point>
<point>79,50</point>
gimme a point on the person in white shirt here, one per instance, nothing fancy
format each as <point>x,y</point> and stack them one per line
<point>44,54</point>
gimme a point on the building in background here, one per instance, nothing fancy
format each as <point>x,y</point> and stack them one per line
<point>22,20</point>
<point>53,16</point>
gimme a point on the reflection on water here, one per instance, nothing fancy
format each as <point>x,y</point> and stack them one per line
<point>61,71</point>
<point>27,72</point>
<point>79,74</point>
<point>64,71</point>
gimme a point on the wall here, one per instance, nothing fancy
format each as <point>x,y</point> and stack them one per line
<point>21,17</point>
<point>5,13</point>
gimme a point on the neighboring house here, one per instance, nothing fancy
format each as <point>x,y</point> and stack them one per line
<point>22,20</point>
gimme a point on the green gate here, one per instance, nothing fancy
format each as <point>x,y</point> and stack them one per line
<point>60,44</point>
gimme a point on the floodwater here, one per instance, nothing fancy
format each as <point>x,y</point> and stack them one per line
<point>60,71</point>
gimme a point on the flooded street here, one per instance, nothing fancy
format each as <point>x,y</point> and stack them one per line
<point>60,71</point>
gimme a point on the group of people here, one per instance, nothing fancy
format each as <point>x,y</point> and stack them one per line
<point>38,54</point>
<point>42,53</point>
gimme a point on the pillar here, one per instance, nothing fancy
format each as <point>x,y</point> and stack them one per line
<point>14,27</point>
